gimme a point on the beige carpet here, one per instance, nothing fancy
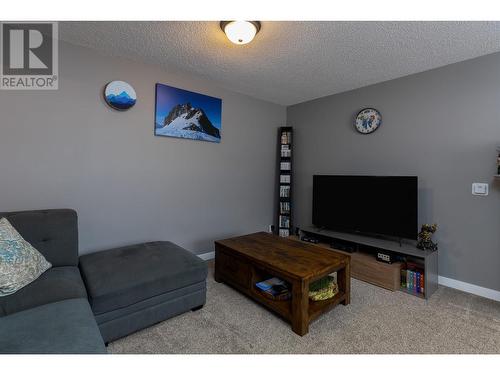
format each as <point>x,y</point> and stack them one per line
<point>376,321</point>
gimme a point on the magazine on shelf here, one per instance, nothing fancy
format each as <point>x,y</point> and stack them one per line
<point>275,287</point>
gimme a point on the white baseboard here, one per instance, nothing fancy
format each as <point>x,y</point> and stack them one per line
<point>207,256</point>
<point>470,288</point>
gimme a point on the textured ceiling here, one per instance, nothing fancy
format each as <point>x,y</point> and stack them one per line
<point>292,62</point>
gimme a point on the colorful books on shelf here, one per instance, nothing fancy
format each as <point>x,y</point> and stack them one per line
<point>403,278</point>
<point>274,288</point>
<point>413,280</point>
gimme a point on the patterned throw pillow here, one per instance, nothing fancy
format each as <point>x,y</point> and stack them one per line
<point>20,263</point>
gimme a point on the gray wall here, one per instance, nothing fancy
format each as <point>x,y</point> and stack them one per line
<point>67,148</point>
<point>442,125</point>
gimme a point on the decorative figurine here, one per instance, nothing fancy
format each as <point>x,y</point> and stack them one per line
<point>425,237</point>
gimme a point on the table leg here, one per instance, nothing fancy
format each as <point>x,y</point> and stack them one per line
<point>217,278</point>
<point>344,280</point>
<point>300,307</point>
<point>216,268</point>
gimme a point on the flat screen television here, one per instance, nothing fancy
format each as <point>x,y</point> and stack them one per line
<point>373,205</point>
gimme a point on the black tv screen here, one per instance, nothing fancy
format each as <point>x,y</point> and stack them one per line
<point>383,205</point>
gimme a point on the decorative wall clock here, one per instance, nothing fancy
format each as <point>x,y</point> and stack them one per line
<point>368,120</point>
<point>120,95</point>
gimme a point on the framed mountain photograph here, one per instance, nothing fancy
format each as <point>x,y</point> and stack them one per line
<point>186,114</point>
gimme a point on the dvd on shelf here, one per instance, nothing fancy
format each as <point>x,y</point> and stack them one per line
<point>284,221</point>
<point>284,191</point>
<point>285,166</point>
<point>285,178</point>
<point>286,152</point>
<point>284,207</point>
<point>284,232</point>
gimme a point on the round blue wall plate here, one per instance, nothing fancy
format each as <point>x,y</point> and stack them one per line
<point>120,95</point>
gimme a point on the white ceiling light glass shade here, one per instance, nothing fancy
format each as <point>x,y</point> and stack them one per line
<point>240,32</point>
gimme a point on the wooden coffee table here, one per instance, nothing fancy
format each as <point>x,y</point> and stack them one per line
<point>243,261</point>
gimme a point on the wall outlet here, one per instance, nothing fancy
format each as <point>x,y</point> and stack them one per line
<point>270,228</point>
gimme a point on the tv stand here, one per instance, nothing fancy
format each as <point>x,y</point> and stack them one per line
<point>364,265</point>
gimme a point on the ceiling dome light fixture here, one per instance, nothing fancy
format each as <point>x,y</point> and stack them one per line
<point>240,32</point>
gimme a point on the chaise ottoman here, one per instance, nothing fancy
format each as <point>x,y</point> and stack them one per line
<point>133,287</point>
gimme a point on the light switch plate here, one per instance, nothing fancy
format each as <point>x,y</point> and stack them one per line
<point>479,188</point>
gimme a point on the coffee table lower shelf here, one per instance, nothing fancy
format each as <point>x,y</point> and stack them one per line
<point>284,308</point>
<point>299,310</point>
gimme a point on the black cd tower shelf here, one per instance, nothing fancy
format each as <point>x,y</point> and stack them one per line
<point>285,152</point>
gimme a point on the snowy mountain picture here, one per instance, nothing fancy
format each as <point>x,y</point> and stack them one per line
<point>120,95</point>
<point>186,114</point>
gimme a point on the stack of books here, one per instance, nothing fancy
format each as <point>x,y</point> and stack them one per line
<point>412,279</point>
<point>274,288</point>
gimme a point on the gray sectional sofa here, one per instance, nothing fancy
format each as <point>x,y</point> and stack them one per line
<point>122,290</point>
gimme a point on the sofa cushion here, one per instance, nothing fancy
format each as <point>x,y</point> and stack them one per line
<point>20,263</point>
<point>54,233</point>
<point>62,327</point>
<point>123,276</point>
<point>56,284</point>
